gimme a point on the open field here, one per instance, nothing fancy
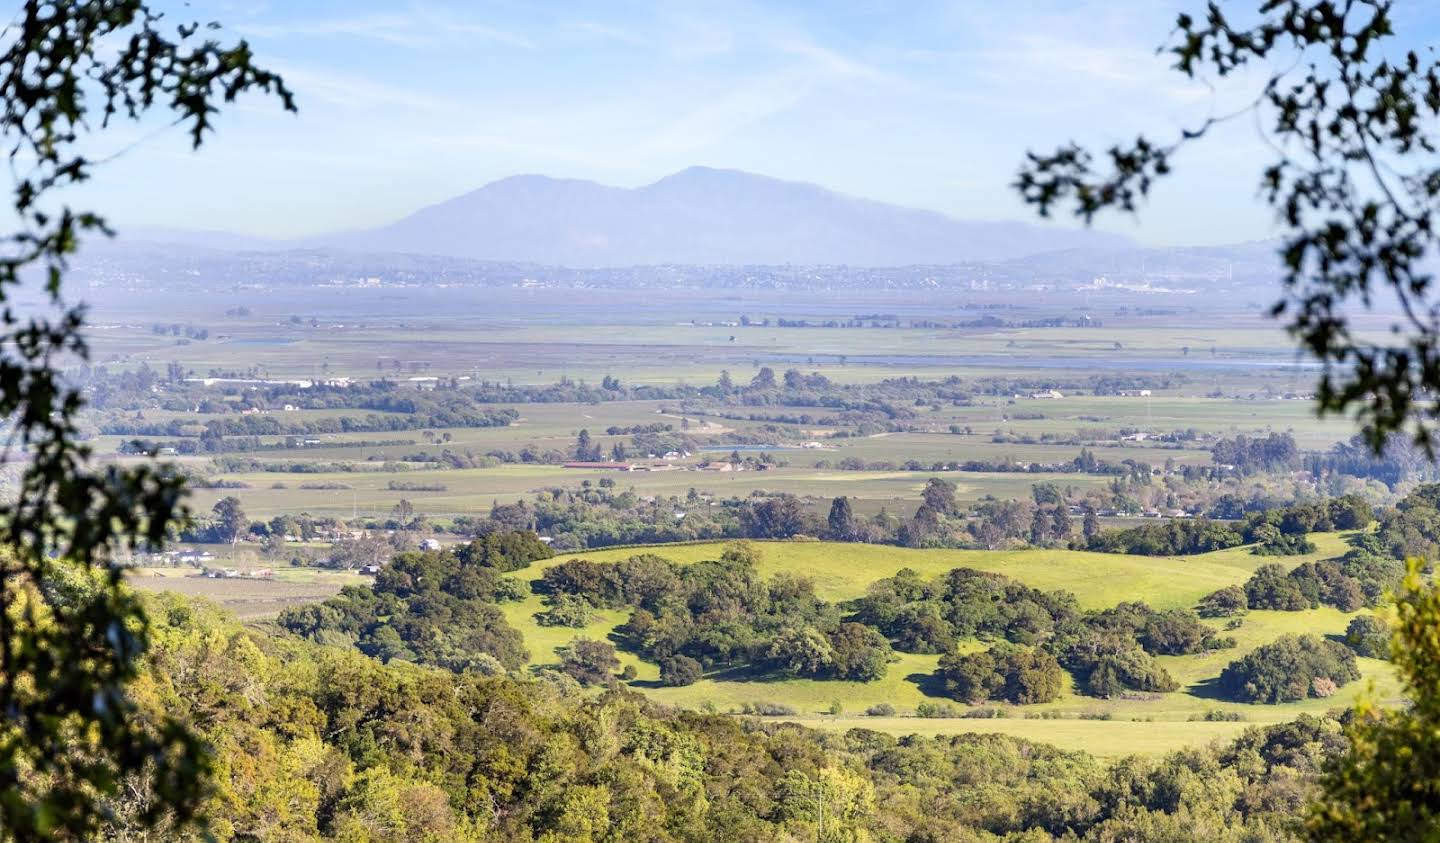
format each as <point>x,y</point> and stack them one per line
<point>653,335</point>
<point>1226,366</point>
<point>248,599</point>
<point>473,491</point>
<point>842,572</point>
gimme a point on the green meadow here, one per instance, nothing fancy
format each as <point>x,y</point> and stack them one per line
<point>843,571</point>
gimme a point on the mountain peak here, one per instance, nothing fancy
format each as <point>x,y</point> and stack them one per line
<point>700,215</point>
<point>698,174</point>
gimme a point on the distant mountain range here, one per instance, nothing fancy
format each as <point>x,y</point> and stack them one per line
<point>699,216</point>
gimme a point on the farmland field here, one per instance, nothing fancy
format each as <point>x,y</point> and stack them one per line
<point>248,599</point>
<point>1208,373</point>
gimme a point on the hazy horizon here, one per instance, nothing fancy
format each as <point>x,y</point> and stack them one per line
<point>931,107</point>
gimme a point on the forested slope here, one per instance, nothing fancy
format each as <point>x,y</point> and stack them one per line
<point>323,743</point>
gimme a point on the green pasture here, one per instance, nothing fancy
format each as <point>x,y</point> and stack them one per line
<point>473,491</point>
<point>843,571</point>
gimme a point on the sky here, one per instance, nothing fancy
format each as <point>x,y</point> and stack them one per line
<point>924,104</point>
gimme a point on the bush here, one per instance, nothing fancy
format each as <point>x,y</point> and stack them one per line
<point>678,671</point>
<point>1114,673</point>
<point>880,710</point>
<point>1368,636</point>
<point>1226,603</point>
<point>1375,572</point>
<point>1269,588</point>
<point>1306,587</point>
<point>767,709</point>
<point>936,710</point>
<point>1216,715</point>
<point>988,712</point>
<point>589,662</point>
<point>1271,542</point>
<point>860,653</point>
<point>1020,675</point>
<point>504,551</point>
<point>1286,670</point>
<point>566,610</point>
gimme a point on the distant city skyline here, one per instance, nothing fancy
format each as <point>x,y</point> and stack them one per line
<point>931,105</point>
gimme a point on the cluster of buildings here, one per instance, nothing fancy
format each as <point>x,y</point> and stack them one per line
<point>711,466</point>
<point>238,574</point>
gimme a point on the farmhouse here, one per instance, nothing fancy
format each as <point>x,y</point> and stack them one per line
<point>601,466</point>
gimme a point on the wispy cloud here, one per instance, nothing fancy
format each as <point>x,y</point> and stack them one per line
<point>358,93</point>
<point>720,117</point>
<point>695,38</point>
<point>607,32</point>
<point>832,62</point>
<point>418,29</point>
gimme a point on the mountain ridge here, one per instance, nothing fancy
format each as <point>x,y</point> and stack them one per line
<point>696,216</point>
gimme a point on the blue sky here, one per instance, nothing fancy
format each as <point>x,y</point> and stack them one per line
<point>928,104</point>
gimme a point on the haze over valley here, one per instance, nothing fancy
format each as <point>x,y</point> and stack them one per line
<point>675,423</point>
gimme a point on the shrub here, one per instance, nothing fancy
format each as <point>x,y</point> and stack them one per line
<point>1306,587</point>
<point>504,551</point>
<point>1216,715</point>
<point>767,709</point>
<point>1375,572</point>
<point>1368,636</point>
<point>1112,674</point>
<point>1227,602</point>
<point>936,710</point>
<point>1007,672</point>
<point>1269,588</point>
<point>880,710</point>
<point>859,653</point>
<point>589,662</point>
<point>678,671</point>
<point>1271,542</point>
<point>987,712</point>
<point>566,610</point>
<point>1285,670</point>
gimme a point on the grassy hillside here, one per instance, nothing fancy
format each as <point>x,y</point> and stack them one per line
<point>843,571</point>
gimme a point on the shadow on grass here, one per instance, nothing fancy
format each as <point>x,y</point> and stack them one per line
<point>748,673</point>
<point>928,683</point>
<point>1208,689</point>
